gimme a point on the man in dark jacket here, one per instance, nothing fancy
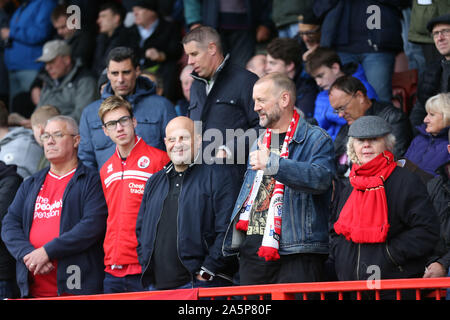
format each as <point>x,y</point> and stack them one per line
<point>436,77</point>
<point>151,111</point>
<point>348,97</point>
<point>55,226</point>
<point>221,94</point>
<point>80,40</point>
<point>112,34</point>
<point>159,47</point>
<point>9,183</point>
<point>184,215</point>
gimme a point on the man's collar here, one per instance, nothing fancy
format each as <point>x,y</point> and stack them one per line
<point>214,76</point>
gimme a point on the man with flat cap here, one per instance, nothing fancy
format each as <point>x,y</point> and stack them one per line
<point>402,229</point>
<point>66,84</point>
<point>436,77</point>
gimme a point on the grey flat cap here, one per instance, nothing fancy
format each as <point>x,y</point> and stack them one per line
<point>52,49</point>
<point>369,127</point>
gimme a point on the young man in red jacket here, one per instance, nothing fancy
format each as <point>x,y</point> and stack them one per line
<point>123,177</point>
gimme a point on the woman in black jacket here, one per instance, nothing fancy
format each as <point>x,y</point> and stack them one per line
<point>383,225</point>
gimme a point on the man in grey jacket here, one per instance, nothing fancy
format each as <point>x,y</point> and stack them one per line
<point>18,146</point>
<point>67,85</point>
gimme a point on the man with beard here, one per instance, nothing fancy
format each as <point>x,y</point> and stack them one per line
<point>183,217</point>
<point>288,182</point>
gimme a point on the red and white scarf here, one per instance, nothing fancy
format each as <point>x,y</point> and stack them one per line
<point>272,231</point>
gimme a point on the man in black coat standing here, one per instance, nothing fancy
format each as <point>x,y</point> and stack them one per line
<point>221,96</point>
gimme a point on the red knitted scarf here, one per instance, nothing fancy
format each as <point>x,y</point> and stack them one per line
<point>364,217</point>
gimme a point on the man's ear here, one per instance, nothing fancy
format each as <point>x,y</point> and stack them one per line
<point>290,66</point>
<point>335,68</point>
<point>285,98</point>
<point>76,141</point>
<point>212,48</point>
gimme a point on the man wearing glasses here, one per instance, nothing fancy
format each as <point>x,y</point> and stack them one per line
<point>55,226</point>
<point>124,177</point>
<point>348,97</point>
<point>436,76</point>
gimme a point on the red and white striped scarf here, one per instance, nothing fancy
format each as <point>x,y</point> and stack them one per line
<point>272,232</point>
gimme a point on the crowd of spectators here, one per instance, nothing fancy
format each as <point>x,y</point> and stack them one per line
<point>117,162</point>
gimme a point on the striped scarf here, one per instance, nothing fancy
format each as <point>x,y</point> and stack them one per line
<point>272,231</point>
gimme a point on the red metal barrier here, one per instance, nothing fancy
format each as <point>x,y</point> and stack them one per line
<point>424,288</point>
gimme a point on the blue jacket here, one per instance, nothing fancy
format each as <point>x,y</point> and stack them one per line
<point>30,27</point>
<point>82,228</point>
<point>429,152</point>
<point>205,203</point>
<point>323,111</point>
<point>151,111</point>
<point>307,176</point>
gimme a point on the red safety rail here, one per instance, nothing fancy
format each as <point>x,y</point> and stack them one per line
<point>433,288</point>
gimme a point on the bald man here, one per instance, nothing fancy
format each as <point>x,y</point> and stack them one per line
<point>184,215</point>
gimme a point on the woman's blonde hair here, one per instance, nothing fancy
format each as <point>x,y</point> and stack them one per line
<point>440,103</point>
<point>389,141</point>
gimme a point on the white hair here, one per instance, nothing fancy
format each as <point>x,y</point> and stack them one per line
<point>389,142</point>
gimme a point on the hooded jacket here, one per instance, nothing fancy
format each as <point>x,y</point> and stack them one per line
<point>19,147</point>
<point>151,111</point>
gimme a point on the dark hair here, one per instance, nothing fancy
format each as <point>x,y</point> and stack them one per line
<point>286,49</point>
<point>116,8</point>
<point>59,11</point>
<point>119,54</point>
<point>349,85</point>
<point>3,115</point>
<point>321,56</point>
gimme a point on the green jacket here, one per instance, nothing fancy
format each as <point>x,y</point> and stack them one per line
<point>285,12</point>
<point>420,15</point>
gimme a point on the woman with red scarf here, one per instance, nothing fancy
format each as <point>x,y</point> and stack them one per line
<point>383,224</point>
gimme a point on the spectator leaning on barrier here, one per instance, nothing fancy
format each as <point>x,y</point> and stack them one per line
<point>183,217</point>
<point>152,112</point>
<point>58,245</point>
<point>123,180</point>
<point>399,235</point>
<point>288,180</point>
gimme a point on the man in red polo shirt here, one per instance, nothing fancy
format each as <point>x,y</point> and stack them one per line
<point>123,177</point>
